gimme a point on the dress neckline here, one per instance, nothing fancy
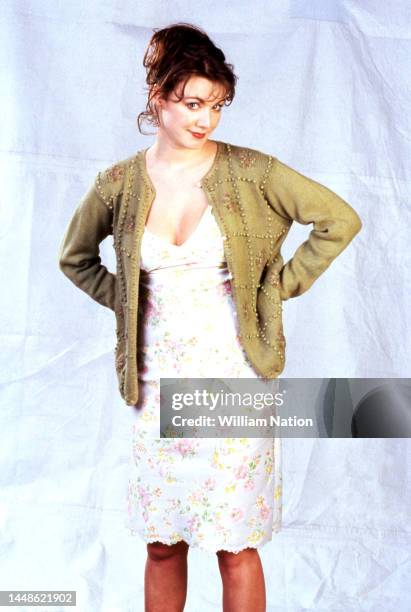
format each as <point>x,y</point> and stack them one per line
<point>179,246</point>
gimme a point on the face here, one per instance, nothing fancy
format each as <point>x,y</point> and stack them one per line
<point>199,111</point>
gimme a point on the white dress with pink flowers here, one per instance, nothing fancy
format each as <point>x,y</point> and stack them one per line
<point>215,493</point>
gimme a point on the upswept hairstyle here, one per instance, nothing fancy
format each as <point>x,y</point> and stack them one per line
<point>176,53</point>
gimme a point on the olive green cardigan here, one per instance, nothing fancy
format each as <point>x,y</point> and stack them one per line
<point>255,198</point>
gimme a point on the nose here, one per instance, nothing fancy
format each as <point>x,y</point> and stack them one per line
<point>204,118</point>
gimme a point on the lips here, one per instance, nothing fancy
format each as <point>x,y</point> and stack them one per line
<point>197,134</point>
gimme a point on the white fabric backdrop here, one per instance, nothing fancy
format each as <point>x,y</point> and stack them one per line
<point>324,86</point>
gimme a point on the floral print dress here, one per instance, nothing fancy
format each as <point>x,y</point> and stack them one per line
<point>215,493</point>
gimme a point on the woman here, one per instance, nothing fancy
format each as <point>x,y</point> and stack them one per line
<point>198,291</point>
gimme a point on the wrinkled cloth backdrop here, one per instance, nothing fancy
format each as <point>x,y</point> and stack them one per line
<point>323,86</point>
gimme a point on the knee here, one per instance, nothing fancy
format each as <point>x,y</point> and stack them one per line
<point>157,551</point>
<point>231,561</point>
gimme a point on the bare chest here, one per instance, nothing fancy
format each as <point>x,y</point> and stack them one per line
<point>178,206</point>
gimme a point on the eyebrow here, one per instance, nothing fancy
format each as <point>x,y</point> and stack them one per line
<point>201,99</point>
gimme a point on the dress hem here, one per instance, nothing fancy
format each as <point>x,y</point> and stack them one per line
<point>200,545</point>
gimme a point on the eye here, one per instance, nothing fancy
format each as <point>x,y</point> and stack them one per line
<point>217,106</point>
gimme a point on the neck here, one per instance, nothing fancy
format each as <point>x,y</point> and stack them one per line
<point>171,155</point>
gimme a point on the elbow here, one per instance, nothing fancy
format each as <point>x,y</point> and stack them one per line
<point>355,224</point>
<point>64,261</point>
<point>62,266</point>
<point>61,263</point>
<point>349,227</point>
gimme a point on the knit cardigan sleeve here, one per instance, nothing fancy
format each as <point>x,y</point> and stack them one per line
<point>297,197</point>
<point>79,254</point>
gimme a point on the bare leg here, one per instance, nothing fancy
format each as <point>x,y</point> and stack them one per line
<point>243,581</point>
<point>165,579</point>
